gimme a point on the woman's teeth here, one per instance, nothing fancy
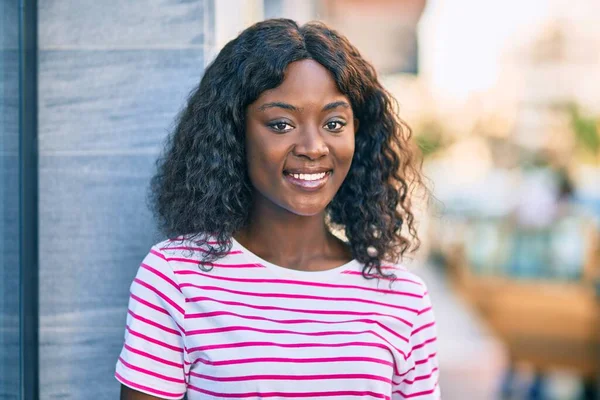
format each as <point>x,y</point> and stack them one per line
<point>309,177</point>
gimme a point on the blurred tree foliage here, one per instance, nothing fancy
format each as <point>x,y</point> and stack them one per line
<point>429,135</point>
<point>585,129</point>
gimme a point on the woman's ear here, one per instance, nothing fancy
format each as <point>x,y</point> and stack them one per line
<point>356,125</point>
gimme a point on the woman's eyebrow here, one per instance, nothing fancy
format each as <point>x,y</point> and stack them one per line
<point>279,104</point>
<point>290,107</point>
<point>335,104</point>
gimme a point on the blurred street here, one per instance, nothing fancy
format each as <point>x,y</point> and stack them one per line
<point>472,360</point>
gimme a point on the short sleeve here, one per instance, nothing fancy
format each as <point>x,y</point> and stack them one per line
<point>419,378</point>
<point>152,360</point>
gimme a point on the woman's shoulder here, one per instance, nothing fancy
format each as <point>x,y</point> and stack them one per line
<point>396,270</point>
<point>191,252</point>
<point>402,271</point>
<point>185,244</point>
<point>403,279</point>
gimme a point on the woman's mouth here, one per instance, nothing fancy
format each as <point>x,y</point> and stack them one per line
<point>308,182</point>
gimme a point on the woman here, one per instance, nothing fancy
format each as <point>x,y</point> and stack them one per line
<point>288,138</point>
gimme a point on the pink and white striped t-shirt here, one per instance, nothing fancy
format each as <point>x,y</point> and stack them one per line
<point>250,329</point>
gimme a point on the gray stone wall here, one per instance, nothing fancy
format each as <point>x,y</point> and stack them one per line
<point>9,200</point>
<point>112,77</point>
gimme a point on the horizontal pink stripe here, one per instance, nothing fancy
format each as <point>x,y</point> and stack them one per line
<point>157,308</point>
<point>158,254</point>
<point>197,249</point>
<point>281,331</point>
<point>231,252</point>
<point>371,275</point>
<point>298,321</point>
<point>285,331</point>
<point>151,373</point>
<point>417,394</point>
<point>148,389</point>
<point>418,378</point>
<point>182,238</point>
<point>235,266</point>
<point>181,259</point>
<point>152,340</point>
<point>423,361</point>
<point>161,275</point>
<point>147,303</point>
<point>418,346</point>
<point>152,357</point>
<point>393,267</point>
<point>295,282</point>
<point>186,237</point>
<point>160,294</point>
<point>197,262</point>
<point>289,395</point>
<point>153,323</point>
<point>419,362</point>
<point>291,360</point>
<point>429,325</point>
<point>290,377</point>
<point>284,345</point>
<point>423,311</point>
<point>295,310</point>
<point>239,345</point>
<point>293,296</point>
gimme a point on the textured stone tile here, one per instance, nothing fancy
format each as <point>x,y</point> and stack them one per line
<point>9,101</point>
<point>9,241</point>
<point>9,28</point>
<point>83,354</point>
<point>9,273</point>
<point>112,77</point>
<point>9,202</point>
<point>85,24</point>
<point>95,230</point>
<point>112,101</point>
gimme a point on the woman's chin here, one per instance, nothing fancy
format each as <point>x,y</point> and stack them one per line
<point>307,210</point>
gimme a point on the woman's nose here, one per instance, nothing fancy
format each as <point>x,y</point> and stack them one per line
<point>311,144</point>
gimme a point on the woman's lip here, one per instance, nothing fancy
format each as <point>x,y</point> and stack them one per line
<point>298,171</point>
<point>310,186</point>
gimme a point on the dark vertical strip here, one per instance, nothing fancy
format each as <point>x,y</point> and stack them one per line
<point>28,243</point>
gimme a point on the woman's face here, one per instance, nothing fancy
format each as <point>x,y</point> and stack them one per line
<point>300,140</point>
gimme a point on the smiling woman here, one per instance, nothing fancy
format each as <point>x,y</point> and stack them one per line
<point>299,142</point>
<point>288,137</point>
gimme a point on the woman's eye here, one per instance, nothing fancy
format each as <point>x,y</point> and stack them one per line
<point>335,125</point>
<point>281,127</point>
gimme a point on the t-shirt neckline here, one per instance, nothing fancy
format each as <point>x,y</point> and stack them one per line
<point>294,273</point>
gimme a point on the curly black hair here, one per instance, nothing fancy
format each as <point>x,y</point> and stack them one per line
<point>202,191</point>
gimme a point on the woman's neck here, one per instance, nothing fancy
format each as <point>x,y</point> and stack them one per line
<point>291,240</point>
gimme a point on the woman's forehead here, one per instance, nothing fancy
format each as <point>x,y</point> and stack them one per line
<point>306,84</point>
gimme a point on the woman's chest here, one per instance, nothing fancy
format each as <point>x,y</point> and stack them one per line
<point>288,339</point>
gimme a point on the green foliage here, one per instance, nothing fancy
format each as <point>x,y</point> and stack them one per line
<point>585,129</point>
<point>430,137</point>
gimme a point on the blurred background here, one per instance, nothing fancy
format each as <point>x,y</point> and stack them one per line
<point>503,99</point>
